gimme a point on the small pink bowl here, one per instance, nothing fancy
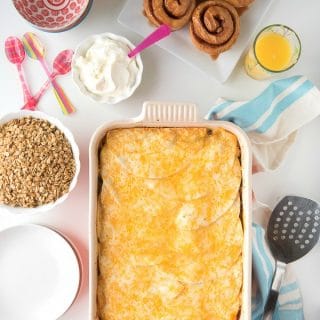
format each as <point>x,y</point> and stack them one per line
<point>53,15</point>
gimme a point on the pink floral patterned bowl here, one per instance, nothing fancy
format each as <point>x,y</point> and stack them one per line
<point>53,15</point>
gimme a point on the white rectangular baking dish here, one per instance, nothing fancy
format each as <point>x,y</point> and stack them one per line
<point>160,114</point>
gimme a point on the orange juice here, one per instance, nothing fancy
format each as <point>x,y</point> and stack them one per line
<point>273,51</point>
<point>276,49</point>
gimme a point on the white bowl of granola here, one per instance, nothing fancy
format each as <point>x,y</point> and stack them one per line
<point>39,162</point>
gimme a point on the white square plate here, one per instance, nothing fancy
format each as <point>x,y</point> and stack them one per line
<point>180,45</point>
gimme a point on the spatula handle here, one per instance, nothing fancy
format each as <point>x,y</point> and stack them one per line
<point>274,290</point>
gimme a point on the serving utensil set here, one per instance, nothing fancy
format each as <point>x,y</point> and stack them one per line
<point>16,50</point>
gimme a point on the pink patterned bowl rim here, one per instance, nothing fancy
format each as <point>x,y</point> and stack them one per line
<point>53,15</point>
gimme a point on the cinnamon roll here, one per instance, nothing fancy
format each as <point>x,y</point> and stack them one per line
<point>214,27</point>
<point>240,3</point>
<point>242,10</point>
<point>174,13</point>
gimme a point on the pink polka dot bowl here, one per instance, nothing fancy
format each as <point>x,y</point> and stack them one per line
<point>53,15</point>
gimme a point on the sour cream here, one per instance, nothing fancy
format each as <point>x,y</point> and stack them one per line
<point>106,71</point>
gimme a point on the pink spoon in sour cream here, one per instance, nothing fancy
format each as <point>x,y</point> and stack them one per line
<point>160,33</point>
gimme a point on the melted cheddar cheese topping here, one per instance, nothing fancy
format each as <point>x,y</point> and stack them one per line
<point>169,227</point>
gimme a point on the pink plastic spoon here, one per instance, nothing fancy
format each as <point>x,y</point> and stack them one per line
<point>36,50</point>
<point>16,54</point>
<point>61,66</point>
<point>161,32</point>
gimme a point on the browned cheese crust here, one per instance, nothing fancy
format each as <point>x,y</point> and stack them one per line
<point>169,225</point>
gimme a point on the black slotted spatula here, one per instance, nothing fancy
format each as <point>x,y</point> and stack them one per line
<point>293,230</point>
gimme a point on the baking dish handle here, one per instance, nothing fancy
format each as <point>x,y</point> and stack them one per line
<point>156,111</point>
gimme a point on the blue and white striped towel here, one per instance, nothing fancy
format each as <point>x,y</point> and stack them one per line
<point>271,121</point>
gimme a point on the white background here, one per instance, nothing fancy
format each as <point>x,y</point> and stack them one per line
<point>166,78</point>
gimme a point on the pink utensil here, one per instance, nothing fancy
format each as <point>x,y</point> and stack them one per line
<point>61,66</point>
<point>36,50</point>
<point>16,54</point>
<point>160,33</point>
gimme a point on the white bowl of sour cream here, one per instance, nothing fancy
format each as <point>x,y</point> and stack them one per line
<point>102,69</point>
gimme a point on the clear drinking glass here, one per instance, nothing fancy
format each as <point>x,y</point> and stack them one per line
<point>258,69</point>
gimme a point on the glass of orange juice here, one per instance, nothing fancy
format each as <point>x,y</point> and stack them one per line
<point>276,49</point>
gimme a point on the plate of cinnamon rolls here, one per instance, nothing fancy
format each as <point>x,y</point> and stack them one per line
<point>210,35</point>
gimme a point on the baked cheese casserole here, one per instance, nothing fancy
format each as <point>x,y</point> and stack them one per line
<point>169,225</point>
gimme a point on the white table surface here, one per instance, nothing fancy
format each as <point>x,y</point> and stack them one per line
<point>166,78</point>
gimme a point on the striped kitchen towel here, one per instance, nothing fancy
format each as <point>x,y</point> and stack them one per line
<point>272,119</point>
